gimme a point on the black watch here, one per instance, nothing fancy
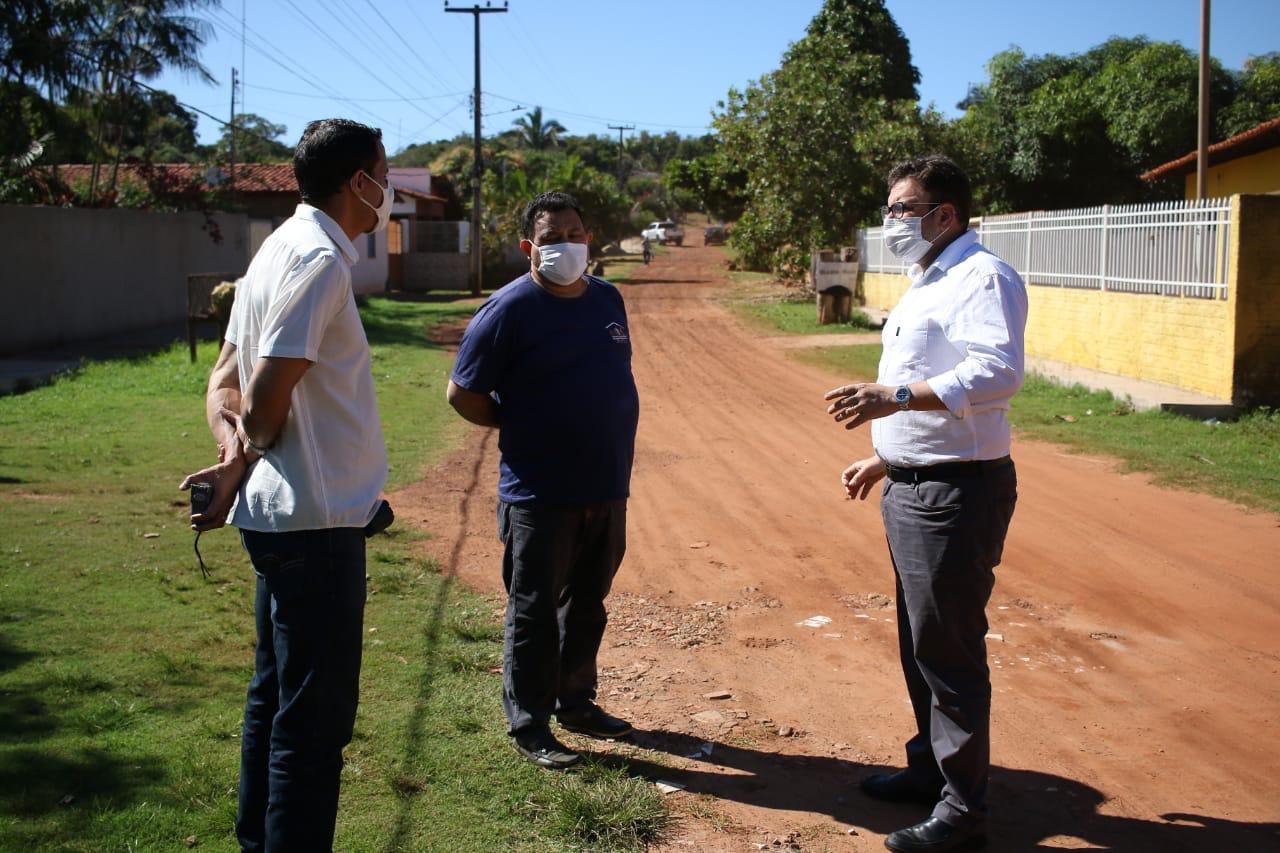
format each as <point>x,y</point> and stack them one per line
<point>903,397</point>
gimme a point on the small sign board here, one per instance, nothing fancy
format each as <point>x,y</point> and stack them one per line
<point>835,269</point>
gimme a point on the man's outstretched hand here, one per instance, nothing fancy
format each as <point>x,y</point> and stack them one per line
<point>864,401</point>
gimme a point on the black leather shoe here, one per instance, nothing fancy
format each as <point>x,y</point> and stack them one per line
<point>591,720</point>
<point>900,787</point>
<point>936,835</point>
<point>540,746</point>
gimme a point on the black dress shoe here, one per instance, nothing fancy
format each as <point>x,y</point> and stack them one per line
<point>540,746</point>
<point>591,720</point>
<point>936,835</point>
<point>900,787</point>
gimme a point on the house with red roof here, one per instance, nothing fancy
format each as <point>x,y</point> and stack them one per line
<point>1248,162</point>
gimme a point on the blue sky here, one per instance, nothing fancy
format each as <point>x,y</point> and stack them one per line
<point>659,66</point>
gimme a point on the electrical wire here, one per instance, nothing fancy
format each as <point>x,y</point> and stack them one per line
<point>602,119</point>
<point>355,97</point>
<point>413,53</point>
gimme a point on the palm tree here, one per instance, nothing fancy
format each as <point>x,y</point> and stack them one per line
<point>536,133</point>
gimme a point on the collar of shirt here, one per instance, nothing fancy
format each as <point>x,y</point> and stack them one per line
<point>950,256</point>
<point>331,228</point>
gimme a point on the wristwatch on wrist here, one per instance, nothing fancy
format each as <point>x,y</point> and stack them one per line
<point>903,397</point>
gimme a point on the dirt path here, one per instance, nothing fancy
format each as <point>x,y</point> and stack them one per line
<point>1137,684</point>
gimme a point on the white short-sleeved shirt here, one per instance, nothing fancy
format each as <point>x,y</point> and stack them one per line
<point>329,464</point>
<point>960,327</point>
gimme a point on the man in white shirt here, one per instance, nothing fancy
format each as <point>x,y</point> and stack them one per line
<point>301,467</point>
<point>953,358</point>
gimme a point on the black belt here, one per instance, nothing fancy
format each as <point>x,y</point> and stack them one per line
<point>945,470</point>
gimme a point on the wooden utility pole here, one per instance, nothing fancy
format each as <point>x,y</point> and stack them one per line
<point>231,128</point>
<point>477,169</point>
<point>620,128</point>
<point>1202,145</point>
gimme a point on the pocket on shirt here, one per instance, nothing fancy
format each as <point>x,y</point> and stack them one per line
<point>910,344</point>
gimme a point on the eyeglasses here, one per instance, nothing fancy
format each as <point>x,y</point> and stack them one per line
<point>895,211</point>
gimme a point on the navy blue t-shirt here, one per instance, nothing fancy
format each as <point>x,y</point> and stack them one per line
<point>561,371</point>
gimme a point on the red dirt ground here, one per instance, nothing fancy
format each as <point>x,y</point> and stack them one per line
<point>1136,686</point>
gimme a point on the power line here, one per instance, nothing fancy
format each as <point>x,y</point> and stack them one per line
<point>341,49</point>
<point>415,54</point>
<point>272,58</point>
<point>355,97</point>
<point>183,104</point>
<point>413,9</point>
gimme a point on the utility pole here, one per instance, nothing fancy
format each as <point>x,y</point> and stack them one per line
<point>620,128</point>
<point>477,169</point>
<point>231,166</point>
<point>1202,143</point>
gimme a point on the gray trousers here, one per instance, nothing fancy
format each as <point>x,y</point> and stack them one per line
<point>945,538</point>
<point>558,564</point>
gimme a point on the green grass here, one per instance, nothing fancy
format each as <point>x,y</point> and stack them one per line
<point>1238,460</point>
<point>768,307</point>
<point>122,672</point>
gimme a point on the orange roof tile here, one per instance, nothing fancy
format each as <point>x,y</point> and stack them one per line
<point>249,177</point>
<point>1253,140</point>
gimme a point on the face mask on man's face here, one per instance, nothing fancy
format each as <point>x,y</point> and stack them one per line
<point>562,263</point>
<point>383,210</point>
<point>903,237</point>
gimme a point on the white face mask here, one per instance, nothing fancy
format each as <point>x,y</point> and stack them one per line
<point>562,263</point>
<point>903,238</point>
<point>383,210</point>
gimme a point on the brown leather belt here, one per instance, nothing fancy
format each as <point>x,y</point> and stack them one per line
<point>945,470</point>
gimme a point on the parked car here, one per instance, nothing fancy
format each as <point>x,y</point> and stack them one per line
<point>715,235</point>
<point>664,231</point>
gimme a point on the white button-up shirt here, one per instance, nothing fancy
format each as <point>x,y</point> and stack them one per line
<point>959,327</point>
<point>329,463</point>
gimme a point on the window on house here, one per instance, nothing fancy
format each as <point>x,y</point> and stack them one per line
<point>372,251</point>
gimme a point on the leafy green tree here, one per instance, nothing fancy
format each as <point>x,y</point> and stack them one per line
<point>805,134</point>
<point>713,182</point>
<point>257,141</point>
<point>538,133</point>
<point>1257,96</point>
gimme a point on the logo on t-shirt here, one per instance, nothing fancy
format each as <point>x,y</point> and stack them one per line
<point>618,332</point>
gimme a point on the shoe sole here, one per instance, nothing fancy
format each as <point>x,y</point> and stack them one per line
<point>542,761</point>
<point>597,734</point>
<point>978,841</point>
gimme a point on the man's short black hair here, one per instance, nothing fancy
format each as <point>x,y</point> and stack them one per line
<point>550,202</point>
<point>941,178</point>
<point>330,151</point>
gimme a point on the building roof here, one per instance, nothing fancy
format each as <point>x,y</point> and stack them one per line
<point>249,177</point>
<point>419,194</point>
<point>1253,140</point>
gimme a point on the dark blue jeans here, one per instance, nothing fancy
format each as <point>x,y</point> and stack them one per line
<point>558,565</point>
<point>302,699</point>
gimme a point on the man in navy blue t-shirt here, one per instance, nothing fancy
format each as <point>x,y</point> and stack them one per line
<point>547,360</point>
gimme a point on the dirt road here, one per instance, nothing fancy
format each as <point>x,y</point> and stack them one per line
<point>1136,662</point>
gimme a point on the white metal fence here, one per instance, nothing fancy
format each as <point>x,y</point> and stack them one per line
<point>1177,248</point>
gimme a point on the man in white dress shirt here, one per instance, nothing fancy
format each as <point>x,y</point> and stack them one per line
<point>953,358</point>
<point>301,467</point>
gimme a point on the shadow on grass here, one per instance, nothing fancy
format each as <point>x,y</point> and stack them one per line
<point>414,739</point>
<point>34,782</point>
<point>1029,807</point>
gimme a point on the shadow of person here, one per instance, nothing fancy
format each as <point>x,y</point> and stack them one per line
<point>1029,807</point>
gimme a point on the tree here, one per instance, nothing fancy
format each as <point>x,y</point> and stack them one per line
<point>1257,96</point>
<point>537,134</point>
<point>1072,131</point>
<point>257,141</point>
<point>805,135</point>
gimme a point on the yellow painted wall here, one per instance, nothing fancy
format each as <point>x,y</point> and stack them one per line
<point>1228,349</point>
<point>1255,267</point>
<point>1256,173</point>
<point>1175,341</point>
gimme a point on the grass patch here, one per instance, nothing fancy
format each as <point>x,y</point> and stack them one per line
<point>122,672</point>
<point>1237,460</point>
<point>767,306</point>
<point>603,808</point>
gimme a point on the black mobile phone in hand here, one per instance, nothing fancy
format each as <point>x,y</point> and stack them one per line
<point>201,498</point>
